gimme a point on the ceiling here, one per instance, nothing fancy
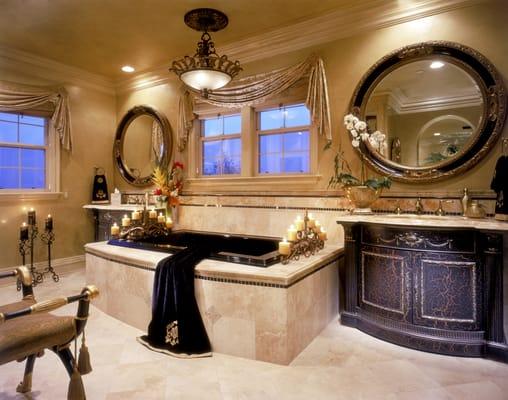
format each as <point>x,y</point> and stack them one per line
<point>100,36</point>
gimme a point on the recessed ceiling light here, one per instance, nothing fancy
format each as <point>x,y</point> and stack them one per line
<point>437,134</point>
<point>437,64</point>
<point>128,68</point>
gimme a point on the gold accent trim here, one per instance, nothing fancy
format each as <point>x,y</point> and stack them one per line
<point>24,276</point>
<point>48,305</point>
<point>2,318</point>
<point>172,333</point>
<point>91,291</point>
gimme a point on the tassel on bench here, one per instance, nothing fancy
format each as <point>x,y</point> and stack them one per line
<point>84,365</point>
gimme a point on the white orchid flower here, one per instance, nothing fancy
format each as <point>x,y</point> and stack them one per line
<point>350,126</point>
<point>355,142</point>
<point>364,135</point>
<point>360,126</point>
<point>354,133</point>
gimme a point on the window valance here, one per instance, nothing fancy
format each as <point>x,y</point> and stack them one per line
<point>256,89</point>
<point>18,97</point>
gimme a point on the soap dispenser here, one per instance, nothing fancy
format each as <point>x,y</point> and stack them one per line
<point>465,201</point>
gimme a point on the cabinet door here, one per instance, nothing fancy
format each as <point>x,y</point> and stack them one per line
<point>447,291</point>
<point>385,282</point>
<point>106,219</point>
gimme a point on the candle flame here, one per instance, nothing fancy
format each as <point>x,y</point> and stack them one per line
<point>24,224</point>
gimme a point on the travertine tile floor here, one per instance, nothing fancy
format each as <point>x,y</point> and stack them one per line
<point>341,363</point>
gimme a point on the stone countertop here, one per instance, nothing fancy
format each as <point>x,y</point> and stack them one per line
<point>112,207</point>
<point>426,221</point>
<point>278,274</point>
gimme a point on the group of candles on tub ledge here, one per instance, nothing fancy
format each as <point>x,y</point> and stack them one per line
<point>304,229</point>
<point>137,216</point>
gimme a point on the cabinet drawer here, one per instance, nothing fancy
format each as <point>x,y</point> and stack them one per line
<point>461,241</point>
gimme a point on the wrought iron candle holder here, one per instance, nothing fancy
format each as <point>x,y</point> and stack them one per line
<point>308,241</point>
<point>26,245</point>
<point>143,228</point>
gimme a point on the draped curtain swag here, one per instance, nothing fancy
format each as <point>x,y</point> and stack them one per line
<point>17,97</point>
<point>256,89</point>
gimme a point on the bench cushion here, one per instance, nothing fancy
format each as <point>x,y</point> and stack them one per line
<point>23,336</point>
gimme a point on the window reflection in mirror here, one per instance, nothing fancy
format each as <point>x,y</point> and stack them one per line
<point>428,109</point>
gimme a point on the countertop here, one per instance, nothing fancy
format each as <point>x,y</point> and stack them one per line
<point>279,274</point>
<point>426,221</point>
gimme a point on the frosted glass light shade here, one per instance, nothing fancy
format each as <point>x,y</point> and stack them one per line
<point>205,79</point>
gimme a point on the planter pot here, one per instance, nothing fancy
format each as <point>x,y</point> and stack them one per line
<point>361,198</point>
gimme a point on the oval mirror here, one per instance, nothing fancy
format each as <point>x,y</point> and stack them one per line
<point>143,141</point>
<point>440,106</point>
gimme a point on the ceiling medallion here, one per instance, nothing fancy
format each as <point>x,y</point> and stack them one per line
<point>206,70</point>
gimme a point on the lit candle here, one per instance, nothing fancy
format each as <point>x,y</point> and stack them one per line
<point>31,217</point>
<point>299,223</point>
<point>136,215</point>
<point>284,247</point>
<point>152,214</point>
<point>292,233</point>
<point>317,226</point>
<point>311,222</point>
<point>169,223</point>
<point>161,218</point>
<point>49,223</point>
<point>115,229</point>
<point>322,234</point>
<point>126,221</point>
<point>23,232</point>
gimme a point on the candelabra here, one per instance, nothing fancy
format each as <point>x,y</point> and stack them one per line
<point>144,225</point>
<point>48,237</point>
<point>308,241</point>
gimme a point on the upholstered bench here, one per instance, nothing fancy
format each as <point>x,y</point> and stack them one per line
<point>27,329</point>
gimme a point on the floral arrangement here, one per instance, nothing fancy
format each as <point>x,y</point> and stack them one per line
<point>343,175</point>
<point>168,184</point>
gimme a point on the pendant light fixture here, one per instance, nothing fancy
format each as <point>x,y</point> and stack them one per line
<point>206,70</point>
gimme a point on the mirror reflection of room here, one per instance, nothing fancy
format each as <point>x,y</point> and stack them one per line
<point>428,109</point>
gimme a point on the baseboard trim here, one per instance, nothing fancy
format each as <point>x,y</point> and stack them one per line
<point>57,263</point>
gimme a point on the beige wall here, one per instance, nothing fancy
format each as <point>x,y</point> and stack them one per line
<point>480,27</point>
<point>93,123</point>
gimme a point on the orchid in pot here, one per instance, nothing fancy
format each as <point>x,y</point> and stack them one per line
<point>361,191</point>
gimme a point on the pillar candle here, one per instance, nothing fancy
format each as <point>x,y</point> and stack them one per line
<point>152,214</point>
<point>126,221</point>
<point>136,215</point>
<point>169,223</point>
<point>317,226</point>
<point>31,217</point>
<point>284,247</point>
<point>299,223</point>
<point>115,229</point>
<point>292,233</point>
<point>311,222</point>
<point>161,218</point>
<point>49,223</point>
<point>23,232</point>
<point>323,235</point>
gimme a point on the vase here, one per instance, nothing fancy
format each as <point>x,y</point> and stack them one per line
<point>361,198</point>
<point>161,204</point>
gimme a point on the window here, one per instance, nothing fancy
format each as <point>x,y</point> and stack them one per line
<point>23,152</point>
<point>221,148</point>
<point>284,140</point>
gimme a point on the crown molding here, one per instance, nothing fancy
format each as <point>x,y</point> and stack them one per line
<point>45,68</point>
<point>349,20</point>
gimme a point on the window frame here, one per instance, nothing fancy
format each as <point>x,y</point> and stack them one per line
<point>52,157</point>
<point>202,139</point>
<point>266,132</point>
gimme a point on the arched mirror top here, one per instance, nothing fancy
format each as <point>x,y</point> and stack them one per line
<point>440,105</point>
<point>143,141</point>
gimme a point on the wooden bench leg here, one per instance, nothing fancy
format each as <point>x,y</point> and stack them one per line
<point>26,385</point>
<point>76,389</point>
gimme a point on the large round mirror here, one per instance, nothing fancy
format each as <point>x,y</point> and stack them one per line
<point>440,106</point>
<point>143,141</point>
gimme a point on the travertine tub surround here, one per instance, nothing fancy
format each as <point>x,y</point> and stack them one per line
<point>269,314</point>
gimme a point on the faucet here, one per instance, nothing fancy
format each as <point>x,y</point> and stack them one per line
<point>398,210</point>
<point>440,210</point>
<point>419,206</point>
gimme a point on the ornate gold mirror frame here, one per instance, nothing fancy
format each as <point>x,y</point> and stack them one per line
<point>488,131</point>
<point>118,151</point>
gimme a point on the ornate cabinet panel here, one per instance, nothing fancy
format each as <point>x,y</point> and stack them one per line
<point>447,292</point>
<point>385,282</point>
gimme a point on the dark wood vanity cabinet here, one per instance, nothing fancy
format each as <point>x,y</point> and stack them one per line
<point>433,289</point>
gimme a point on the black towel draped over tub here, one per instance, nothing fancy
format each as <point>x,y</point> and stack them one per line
<point>176,327</point>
